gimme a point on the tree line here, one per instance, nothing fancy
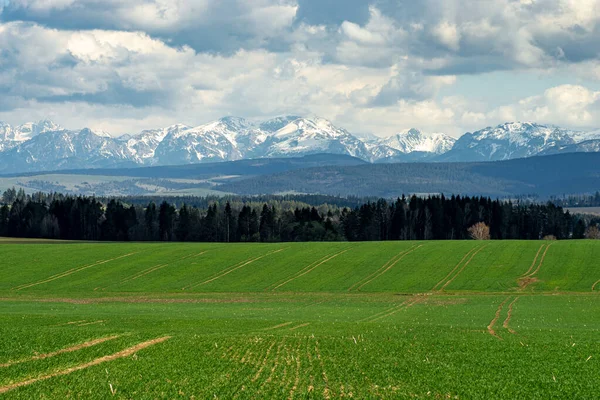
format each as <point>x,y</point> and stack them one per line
<point>222,220</point>
<point>592,200</point>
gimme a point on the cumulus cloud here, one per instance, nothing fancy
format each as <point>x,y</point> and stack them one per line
<point>572,105</point>
<point>371,66</point>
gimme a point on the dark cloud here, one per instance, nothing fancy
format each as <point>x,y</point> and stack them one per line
<point>406,86</point>
<point>224,27</point>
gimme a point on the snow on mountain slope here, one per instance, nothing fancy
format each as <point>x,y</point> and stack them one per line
<point>507,141</point>
<point>310,136</point>
<point>587,146</point>
<point>142,146</point>
<point>64,150</point>
<point>579,137</point>
<point>414,140</point>
<point>275,124</point>
<point>46,146</point>
<point>210,142</point>
<point>12,136</point>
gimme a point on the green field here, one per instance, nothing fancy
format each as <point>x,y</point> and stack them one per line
<point>512,319</point>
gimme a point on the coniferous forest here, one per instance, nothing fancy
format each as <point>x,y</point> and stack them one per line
<point>55,216</point>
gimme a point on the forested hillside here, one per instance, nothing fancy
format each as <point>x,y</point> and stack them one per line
<point>543,176</point>
<point>335,175</point>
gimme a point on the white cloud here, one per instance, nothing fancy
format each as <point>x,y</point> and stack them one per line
<point>125,66</point>
<point>448,35</point>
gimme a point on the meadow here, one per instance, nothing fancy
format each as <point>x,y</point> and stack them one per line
<point>460,319</point>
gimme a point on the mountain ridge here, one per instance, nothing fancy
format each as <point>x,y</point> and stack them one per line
<point>46,145</point>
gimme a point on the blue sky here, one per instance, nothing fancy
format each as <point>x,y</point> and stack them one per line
<point>374,67</point>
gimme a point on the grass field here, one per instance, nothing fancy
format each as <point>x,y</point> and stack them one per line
<point>512,319</point>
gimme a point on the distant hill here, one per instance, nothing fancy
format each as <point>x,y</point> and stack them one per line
<point>544,176</point>
<point>262,166</point>
<point>328,174</point>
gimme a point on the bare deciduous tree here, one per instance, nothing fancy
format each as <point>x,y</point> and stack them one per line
<point>480,231</point>
<point>592,232</point>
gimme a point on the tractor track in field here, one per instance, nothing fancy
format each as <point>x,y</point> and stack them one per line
<point>453,270</point>
<point>529,278</point>
<point>490,327</point>
<point>506,322</point>
<point>70,349</point>
<point>157,268</point>
<point>534,261</point>
<point>595,284</point>
<point>91,323</point>
<point>299,326</point>
<point>144,272</point>
<point>121,354</point>
<point>377,315</point>
<point>541,260</point>
<point>270,287</point>
<point>308,269</point>
<point>72,322</point>
<point>388,262</point>
<point>231,269</point>
<point>462,268</point>
<point>393,310</point>
<point>70,272</point>
<point>278,326</point>
<point>385,268</point>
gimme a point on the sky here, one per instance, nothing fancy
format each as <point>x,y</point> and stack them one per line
<point>372,67</point>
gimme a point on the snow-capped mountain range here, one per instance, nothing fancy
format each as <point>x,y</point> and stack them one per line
<point>46,146</point>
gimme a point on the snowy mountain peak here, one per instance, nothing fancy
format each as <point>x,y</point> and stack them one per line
<point>11,137</point>
<point>413,140</point>
<point>313,127</point>
<point>45,145</point>
<point>275,124</point>
<point>509,140</point>
<point>235,123</point>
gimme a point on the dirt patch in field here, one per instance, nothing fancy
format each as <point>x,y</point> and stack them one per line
<point>121,354</point>
<point>525,282</point>
<point>529,278</point>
